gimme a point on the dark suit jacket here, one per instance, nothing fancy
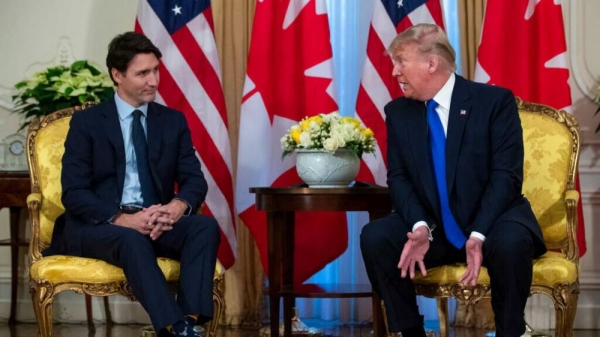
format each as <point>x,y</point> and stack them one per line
<point>93,169</point>
<point>484,161</point>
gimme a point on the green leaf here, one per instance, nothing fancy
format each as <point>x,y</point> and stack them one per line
<point>78,65</point>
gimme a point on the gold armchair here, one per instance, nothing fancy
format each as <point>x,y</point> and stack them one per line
<point>551,140</point>
<point>51,275</point>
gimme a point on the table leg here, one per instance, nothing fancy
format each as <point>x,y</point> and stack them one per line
<point>275,223</point>
<point>15,213</point>
<point>379,329</point>
<point>289,231</point>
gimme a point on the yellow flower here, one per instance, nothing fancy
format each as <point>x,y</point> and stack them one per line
<point>368,133</point>
<point>352,121</point>
<point>305,125</point>
<point>296,135</point>
<point>318,119</point>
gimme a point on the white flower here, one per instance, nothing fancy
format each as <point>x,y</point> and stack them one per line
<point>331,144</point>
<point>305,140</point>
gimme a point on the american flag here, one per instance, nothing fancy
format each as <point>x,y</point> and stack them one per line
<point>378,86</point>
<point>191,83</point>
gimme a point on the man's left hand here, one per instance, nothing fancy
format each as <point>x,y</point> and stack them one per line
<point>174,211</point>
<point>474,259</point>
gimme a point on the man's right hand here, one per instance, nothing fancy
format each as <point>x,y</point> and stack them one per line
<point>414,252</point>
<point>143,221</point>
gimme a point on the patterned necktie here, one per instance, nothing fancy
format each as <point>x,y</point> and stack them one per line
<point>437,141</point>
<point>141,155</point>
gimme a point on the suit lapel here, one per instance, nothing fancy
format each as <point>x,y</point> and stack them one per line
<point>112,128</point>
<point>155,125</point>
<point>419,144</point>
<point>460,110</point>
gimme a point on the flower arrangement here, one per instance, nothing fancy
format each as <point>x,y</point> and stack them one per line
<point>61,87</point>
<point>329,132</point>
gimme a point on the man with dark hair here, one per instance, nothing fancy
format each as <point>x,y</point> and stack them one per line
<point>455,162</point>
<point>122,160</point>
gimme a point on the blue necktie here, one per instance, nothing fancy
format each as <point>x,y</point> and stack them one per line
<point>141,156</point>
<point>437,141</point>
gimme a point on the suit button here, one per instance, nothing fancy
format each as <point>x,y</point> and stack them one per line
<point>117,201</point>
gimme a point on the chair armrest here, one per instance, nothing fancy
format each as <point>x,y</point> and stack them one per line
<point>572,195</point>
<point>571,200</point>
<point>34,203</point>
<point>33,197</point>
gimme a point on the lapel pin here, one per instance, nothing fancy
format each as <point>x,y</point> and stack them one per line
<point>463,112</point>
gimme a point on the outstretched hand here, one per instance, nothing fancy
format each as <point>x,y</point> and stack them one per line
<point>414,252</point>
<point>474,259</point>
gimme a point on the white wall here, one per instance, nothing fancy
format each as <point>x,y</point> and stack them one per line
<point>35,34</point>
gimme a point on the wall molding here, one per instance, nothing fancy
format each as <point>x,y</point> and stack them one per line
<point>64,55</point>
<point>585,80</point>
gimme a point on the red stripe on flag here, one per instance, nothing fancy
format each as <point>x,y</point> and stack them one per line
<point>371,117</point>
<point>403,25</point>
<point>376,52</point>
<point>205,146</point>
<point>209,18</point>
<point>202,69</point>
<point>435,8</point>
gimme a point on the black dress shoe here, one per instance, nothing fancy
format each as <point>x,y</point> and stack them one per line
<point>164,333</point>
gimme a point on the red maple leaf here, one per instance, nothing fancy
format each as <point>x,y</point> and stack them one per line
<point>277,63</point>
<point>515,50</point>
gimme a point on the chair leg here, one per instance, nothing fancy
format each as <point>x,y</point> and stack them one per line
<point>565,315</point>
<point>109,321</point>
<point>442,304</point>
<point>210,327</point>
<point>42,298</point>
<point>89,313</point>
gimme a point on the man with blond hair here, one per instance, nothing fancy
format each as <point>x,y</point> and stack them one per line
<point>455,172</point>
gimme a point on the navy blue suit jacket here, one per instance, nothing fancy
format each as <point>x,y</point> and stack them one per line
<point>484,161</point>
<point>93,169</point>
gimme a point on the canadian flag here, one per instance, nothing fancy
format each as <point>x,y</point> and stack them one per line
<point>289,76</point>
<point>523,48</point>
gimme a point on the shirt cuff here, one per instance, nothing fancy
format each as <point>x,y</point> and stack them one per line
<point>423,224</point>
<point>478,235</point>
<point>189,207</point>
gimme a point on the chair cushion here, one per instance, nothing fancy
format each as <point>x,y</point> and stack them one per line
<point>547,146</point>
<point>62,268</point>
<point>549,269</point>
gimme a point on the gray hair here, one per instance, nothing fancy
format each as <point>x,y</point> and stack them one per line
<point>430,39</point>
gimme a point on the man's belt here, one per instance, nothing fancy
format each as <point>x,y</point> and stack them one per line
<point>130,209</point>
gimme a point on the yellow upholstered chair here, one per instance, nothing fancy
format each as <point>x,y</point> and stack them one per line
<point>551,141</point>
<point>53,274</point>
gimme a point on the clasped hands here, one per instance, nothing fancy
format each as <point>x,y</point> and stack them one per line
<point>154,220</point>
<point>417,246</point>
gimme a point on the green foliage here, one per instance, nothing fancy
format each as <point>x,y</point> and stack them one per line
<point>59,88</point>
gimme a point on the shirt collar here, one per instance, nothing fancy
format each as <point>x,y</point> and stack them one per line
<point>125,109</point>
<point>444,96</point>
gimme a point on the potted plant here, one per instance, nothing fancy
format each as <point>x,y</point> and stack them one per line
<point>60,87</point>
<point>328,148</point>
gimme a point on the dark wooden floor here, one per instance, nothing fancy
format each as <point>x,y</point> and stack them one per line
<point>66,330</point>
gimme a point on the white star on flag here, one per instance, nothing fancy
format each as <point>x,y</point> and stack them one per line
<point>400,3</point>
<point>176,9</point>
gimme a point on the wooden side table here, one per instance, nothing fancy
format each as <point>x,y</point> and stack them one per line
<point>14,189</point>
<point>281,203</point>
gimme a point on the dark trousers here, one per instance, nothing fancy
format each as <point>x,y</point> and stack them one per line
<point>193,241</point>
<point>507,254</point>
